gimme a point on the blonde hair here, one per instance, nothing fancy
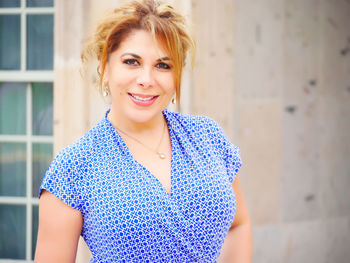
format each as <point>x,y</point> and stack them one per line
<point>161,20</point>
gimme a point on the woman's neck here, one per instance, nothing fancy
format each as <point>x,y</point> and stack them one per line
<point>130,126</point>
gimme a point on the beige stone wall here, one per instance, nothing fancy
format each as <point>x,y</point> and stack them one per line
<point>283,96</point>
<point>276,75</point>
<point>288,109</point>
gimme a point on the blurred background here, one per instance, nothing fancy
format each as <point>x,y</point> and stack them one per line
<point>274,73</point>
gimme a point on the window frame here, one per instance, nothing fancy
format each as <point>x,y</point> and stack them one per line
<point>28,77</point>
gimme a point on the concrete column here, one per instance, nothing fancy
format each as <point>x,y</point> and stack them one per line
<point>291,81</point>
<point>70,94</point>
<point>257,117</point>
<point>213,92</point>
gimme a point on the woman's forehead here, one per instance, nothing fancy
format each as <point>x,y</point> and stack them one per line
<point>142,42</point>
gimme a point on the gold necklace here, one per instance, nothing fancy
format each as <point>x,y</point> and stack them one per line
<point>160,154</point>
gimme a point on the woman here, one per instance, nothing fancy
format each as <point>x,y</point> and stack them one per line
<point>145,184</point>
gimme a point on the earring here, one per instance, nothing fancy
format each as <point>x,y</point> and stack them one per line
<point>173,100</point>
<point>105,89</point>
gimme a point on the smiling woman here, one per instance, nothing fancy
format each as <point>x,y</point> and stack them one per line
<point>145,184</point>
<point>140,79</point>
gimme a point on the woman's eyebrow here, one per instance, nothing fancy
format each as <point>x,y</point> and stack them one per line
<point>138,57</point>
<point>131,54</point>
<point>163,59</point>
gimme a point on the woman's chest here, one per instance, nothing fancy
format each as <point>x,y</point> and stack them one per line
<point>123,197</point>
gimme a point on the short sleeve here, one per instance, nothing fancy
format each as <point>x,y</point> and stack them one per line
<point>233,161</point>
<point>229,152</point>
<point>63,179</point>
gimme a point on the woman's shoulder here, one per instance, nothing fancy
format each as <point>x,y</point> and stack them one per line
<point>69,166</point>
<point>86,145</point>
<point>201,128</point>
<point>189,118</point>
<point>195,123</point>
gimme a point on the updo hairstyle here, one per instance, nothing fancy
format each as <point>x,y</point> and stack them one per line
<point>166,25</point>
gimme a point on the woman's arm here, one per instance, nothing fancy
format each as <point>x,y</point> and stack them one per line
<point>59,230</point>
<point>238,244</point>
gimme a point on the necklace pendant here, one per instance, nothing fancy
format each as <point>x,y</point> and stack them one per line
<point>161,155</point>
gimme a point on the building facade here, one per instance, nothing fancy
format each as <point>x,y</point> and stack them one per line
<point>275,74</point>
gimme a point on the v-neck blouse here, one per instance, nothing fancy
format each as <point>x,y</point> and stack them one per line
<point>128,216</point>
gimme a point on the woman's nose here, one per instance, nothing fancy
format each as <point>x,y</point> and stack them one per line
<point>146,77</point>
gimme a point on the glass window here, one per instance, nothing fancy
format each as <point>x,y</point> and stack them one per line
<point>35,223</point>
<point>10,3</point>
<point>42,156</point>
<point>13,231</point>
<point>39,3</point>
<point>39,42</point>
<point>26,121</point>
<point>12,108</point>
<point>12,169</point>
<point>42,108</point>
<point>10,42</point>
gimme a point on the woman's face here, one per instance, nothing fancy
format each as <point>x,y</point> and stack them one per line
<point>140,77</point>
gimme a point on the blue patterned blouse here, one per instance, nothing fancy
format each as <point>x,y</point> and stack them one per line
<point>128,214</point>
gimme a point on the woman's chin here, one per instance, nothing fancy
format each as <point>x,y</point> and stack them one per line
<point>143,116</point>
<point>129,112</point>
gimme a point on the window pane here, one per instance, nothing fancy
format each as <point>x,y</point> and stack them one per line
<point>35,228</point>
<point>42,156</point>
<point>13,231</point>
<point>10,3</point>
<point>12,108</point>
<point>39,3</point>
<point>42,108</point>
<point>12,169</point>
<point>10,42</point>
<point>40,42</point>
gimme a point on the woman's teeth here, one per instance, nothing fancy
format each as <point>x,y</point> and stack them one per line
<point>141,98</point>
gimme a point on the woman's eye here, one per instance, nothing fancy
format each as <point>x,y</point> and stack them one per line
<point>131,62</point>
<point>163,65</point>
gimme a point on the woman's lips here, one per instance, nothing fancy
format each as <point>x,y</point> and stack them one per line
<point>142,100</point>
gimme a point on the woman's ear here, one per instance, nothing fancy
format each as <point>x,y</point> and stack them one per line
<point>106,74</point>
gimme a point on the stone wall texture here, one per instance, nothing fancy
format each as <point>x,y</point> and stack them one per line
<point>276,75</point>
<point>292,120</point>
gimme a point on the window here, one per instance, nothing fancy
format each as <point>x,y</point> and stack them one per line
<point>26,120</point>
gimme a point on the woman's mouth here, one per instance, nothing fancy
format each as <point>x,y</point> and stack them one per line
<point>143,100</point>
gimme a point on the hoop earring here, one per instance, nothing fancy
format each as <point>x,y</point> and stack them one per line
<point>105,89</point>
